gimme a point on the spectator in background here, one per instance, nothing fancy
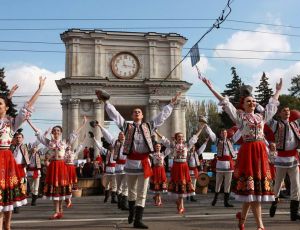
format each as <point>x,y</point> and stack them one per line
<point>86,153</point>
<point>92,153</point>
<point>79,170</point>
<point>88,168</point>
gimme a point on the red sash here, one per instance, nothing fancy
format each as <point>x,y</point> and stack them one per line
<point>227,158</point>
<point>35,172</point>
<point>144,158</point>
<point>288,153</point>
<point>111,164</point>
<point>121,162</point>
<point>196,173</point>
<point>21,170</point>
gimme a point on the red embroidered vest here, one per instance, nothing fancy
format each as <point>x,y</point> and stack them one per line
<point>221,146</point>
<point>117,148</point>
<point>24,151</point>
<point>280,134</point>
<point>129,137</point>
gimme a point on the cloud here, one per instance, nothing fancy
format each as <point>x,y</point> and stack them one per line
<point>244,40</point>
<point>190,73</point>
<point>275,74</point>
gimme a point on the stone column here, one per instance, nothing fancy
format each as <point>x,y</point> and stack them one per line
<point>153,108</point>
<point>64,104</point>
<point>183,120</point>
<point>74,122</point>
<point>173,59</point>
<point>99,116</point>
<point>152,60</point>
<point>176,121</point>
<point>99,59</point>
<point>74,52</point>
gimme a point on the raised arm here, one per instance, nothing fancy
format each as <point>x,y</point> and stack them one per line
<point>236,136</point>
<point>211,134</point>
<point>12,91</point>
<point>272,106</point>
<point>103,150</point>
<point>42,138</point>
<point>114,115</point>
<point>194,138</point>
<point>211,88</point>
<point>107,135</point>
<point>84,121</point>
<point>165,113</point>
<point>203,147</point>
<point>74,135</point>
<point>37,93</point>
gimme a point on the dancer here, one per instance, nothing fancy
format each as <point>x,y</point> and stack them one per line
<point>34,171</point>
<point>70,156</point>
<point>287,137</point>
<point>224,166</point>
<point>120,159</point>
<point>194,163</point>
<point>57,186</point>
<point>137,146</point>
<point>252,183</point>
<point>272,153</point>
<point>158,181</point>
<point>20,152</point>
<point>13,193</point>
<point>180,182</point>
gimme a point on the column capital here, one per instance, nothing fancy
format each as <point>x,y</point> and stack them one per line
<point>74,102</point>
<point>97,102</point>
<point>64,102</point>
<point>154,102</point>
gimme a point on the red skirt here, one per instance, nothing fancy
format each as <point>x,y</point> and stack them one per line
<point>57,185</point>
<point>158,180</point>
<point>181,182</point>
<point>252,179</point>
<point>72,174</point>
<point>12,191</point>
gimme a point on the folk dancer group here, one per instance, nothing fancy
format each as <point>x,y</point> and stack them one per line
<point>128,169</point>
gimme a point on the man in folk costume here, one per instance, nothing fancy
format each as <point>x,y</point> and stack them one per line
<point>20,152</point>
<point>287,136</point>
<point>34,171</point>
<point>110,182</point>
<point>138,145</point>
<point>120,159</point>
<point>224,166</point>
<point>194,163</point>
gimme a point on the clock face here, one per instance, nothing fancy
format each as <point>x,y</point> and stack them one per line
<point>125,65</point>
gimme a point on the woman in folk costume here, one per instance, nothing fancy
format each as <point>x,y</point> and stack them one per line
<point>252,181</point>
<point>272,154</point>
<point>180,182</point>
<point>70,156</point>
<point>158,180</point>
<point>12,192</point>
<point>57,186</point>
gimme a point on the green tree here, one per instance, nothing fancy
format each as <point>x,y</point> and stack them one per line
<point>295,88</point>
<point>289,101</point>
<point>264,92</point>
<point>4,90</point>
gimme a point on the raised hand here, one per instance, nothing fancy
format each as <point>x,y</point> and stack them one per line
<point>279,85</point>
<point>42,82</point>
<point>206,82</point>
<point>174,99</point>
<point>12,91</point>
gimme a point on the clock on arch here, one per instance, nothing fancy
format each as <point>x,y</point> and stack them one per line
<point>125,65</point>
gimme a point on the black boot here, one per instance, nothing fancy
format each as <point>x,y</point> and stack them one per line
<point>192,199</point>
<point>226,199</point>
<point>119,197</point>
<point>131,211</point>
<point>16,210</point>
<point>213,203</point>
<point>273,207</point>
<point>294,210</point>
<point>106,195</point>
<point>113,198</point>
<point>138,218</point>
<point>124,203</point>
<point>187,198</point>
<point>33,200</point>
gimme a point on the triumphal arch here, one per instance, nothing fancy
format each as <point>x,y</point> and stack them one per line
<point>128,65</point>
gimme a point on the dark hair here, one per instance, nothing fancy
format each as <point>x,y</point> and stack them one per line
<point>137,108</point>
<point>8,103</point>
<point>58,127</point>
<point>18,134</point>
<point>176,135</point>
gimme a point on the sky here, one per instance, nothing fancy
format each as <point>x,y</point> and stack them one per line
<point>30,48</point>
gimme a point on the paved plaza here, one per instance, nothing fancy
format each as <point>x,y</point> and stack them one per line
<point>91,213</point>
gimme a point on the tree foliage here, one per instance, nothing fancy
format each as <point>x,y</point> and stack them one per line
<point>295,88</point>
<point>264,92</point>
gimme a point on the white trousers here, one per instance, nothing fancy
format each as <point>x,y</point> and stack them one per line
<point>34,185</point>
<point>137,189</point>
<point>122,187</point>
<point>110,182</point>
<point>294,179</point>
<point>227,177</point>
